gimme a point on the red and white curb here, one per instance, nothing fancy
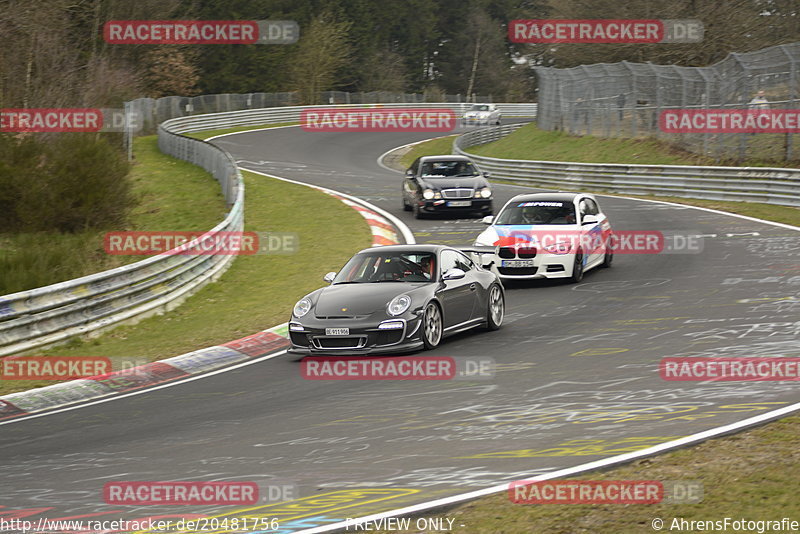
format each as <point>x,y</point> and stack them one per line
<point>383,232</point>
<point>179,367</point>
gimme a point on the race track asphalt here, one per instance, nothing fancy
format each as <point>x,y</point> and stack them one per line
<point>576,376</point>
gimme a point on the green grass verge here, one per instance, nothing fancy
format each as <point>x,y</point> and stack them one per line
<point>205,134</point>
<point>170,195</point>
<point>257,292</point>
<point>748,475</point>
<point>529,142</point>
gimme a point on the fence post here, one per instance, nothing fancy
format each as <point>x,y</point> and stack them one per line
<point>792,97</point>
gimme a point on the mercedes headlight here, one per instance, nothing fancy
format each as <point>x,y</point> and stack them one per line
<point>398,305</point>
<point>428,194</point>
<point>484,192</point>
<point>302,307</point>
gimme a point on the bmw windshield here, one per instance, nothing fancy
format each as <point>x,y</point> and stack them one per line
<point>537,212</point>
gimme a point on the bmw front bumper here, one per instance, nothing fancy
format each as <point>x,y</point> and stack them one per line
<point>529,267</point>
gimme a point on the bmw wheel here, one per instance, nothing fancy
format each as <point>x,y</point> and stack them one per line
<point>431,326</point>
<point>577,269</point>
<point>608,258</point>
<point>497,308</point>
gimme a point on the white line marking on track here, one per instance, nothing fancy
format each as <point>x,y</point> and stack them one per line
<point>662,447</point>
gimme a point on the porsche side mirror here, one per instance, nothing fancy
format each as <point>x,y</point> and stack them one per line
<point>454,274</point>
<point>488,219</point>
<point>329,276</point>
<point>589,219</point>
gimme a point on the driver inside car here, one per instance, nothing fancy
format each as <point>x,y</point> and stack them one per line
<point>389,269</point>
<point>532,215</point>
<point>565,215</point>
<point>427,266</point>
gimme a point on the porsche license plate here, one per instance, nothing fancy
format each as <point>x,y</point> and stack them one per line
<point>337,331</point>
<point>459,203</point>
<point>518,263</point>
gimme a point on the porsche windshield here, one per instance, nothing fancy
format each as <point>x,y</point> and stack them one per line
<point>538,212</point>
<point>444,169</point>
<point>394,267</point>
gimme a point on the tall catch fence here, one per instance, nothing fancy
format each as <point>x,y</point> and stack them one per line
<point>626,99</point>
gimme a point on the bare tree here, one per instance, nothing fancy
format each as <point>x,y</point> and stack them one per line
<point>323,49</point>
<point>384,71</point>
<point>171,70</point>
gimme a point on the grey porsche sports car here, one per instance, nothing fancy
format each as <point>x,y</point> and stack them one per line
<point>396,298</point>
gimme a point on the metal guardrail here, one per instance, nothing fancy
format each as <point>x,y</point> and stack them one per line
<point>51,314</point>
<point>752,184</point>
<point>54,313</point>
<point>254,117</point>
<point>150,112</point>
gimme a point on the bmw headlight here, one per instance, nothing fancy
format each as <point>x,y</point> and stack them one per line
<point>428,194</point>
<point>398,305</point>
<point>302,307</point>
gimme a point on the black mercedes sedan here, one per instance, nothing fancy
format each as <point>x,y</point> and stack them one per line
<point>396,298</point>
<point>438,184</point>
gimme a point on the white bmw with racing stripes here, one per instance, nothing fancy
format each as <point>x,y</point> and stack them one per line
<point>546,235</point>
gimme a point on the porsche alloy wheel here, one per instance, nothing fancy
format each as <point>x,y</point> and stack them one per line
<point>431,326</point>
<point>497,308</point>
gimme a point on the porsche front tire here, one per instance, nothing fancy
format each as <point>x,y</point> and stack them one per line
<point>432,326</point>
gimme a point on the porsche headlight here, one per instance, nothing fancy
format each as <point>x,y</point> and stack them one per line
<point>302,307</point>
<point>398,305</point>
<point>428,194</point>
